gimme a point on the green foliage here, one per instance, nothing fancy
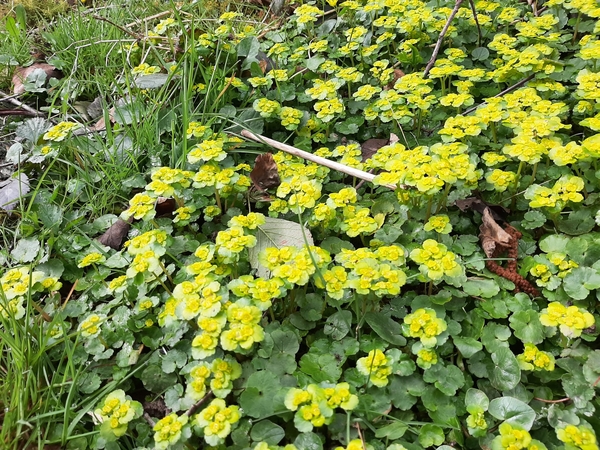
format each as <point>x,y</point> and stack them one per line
<point>320,313</point>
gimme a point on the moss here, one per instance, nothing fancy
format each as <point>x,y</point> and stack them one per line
<point>35,9</point>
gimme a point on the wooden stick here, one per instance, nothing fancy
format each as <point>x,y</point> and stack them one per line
<point>16,102</point>
<point>160,15</point>
<point>436,50</point>
<point>314,158</point>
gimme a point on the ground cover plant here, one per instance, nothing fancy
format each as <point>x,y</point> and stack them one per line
<point>272,302</point>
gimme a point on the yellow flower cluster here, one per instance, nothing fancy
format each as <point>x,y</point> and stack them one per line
<point>533,358</point>
<point>243,328</point>
<point>60,131</point>
<point>376,366</point>
<point>514,438</point>
<point>117,411</point>
<point>17,283</point>
<point>427,169</point>
<point>365,271</point>
<point>578,437</point>
<point>91,258</point>
<point>566,189</point>
<point>315,404</point>
<point>293,265</point>
<point>168,430</point>
<point>435,261</point>
<point>571,320</point>
<point>425,325</point>
<point>216,421</point>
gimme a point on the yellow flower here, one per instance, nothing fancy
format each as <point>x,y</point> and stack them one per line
<point>91,258</point>
<point>59,132</point>
<point>376,366</point>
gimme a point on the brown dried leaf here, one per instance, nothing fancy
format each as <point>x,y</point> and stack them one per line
<point>115,235</point>
<point>476,204</point>
<point>371,146</point>
<point>491,234</point>
<point>21,74</point>
<point>165,206</point>
<point>265,174</point>
<point>397,75</point>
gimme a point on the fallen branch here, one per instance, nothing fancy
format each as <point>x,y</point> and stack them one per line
<point>517,85</point>
<point>17,112</point>
<point>314,158</point>
<point>438,44</point>
<point>14,101</point>
<point>160,15</point>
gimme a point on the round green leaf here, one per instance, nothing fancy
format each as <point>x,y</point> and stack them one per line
<point>506,373</point>
<point>431,435</point>
<point>476,398</point>
<point>308,441</point>
<point>267,431</point>
<point>580,281</point>
<point>338,325</point>
<point>513,411</point>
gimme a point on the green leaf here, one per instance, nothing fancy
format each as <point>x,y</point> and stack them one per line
<point>554,243</point>
<point>527,326</point>
<point>26,250</point>
<point>431,435</point>
<point>474,398</point>
<point>338,325</point>
<point>308,441</point>
<point>321,367</point>
<point>481,287</point>
<point>403,391</point>
<point>392,431</point>
<point>591,368</point>
<point>448,379</point>
<point>578,222</point>
<point>386,328</point>
<point>257,400</point>
<point>267,431</point>
<point>174,359</point>
<point>580,281</point>
<point>480,53</point>
<point>513,411</point>
<point>248,47</point>
<point>467,346</point>
<point>157,381</point>
<point>533,219</point>
<point>506,373</point>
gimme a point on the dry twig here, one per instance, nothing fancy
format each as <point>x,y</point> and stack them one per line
<point>14,101</point>
<point>310,157</point>
<point>438,44</point>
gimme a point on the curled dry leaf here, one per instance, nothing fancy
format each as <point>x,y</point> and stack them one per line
<point>491,234</point>
<point>115,235</point>
<point>265,175</point>
<point>21,74</point>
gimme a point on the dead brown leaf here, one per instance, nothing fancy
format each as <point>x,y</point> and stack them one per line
<point>265,175</point>
<point>397,75</point>
<point>476,204</point>
<point>115,235</point>
<point>21,74</point>
<point>491,234</point>
<point>371,146</point>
